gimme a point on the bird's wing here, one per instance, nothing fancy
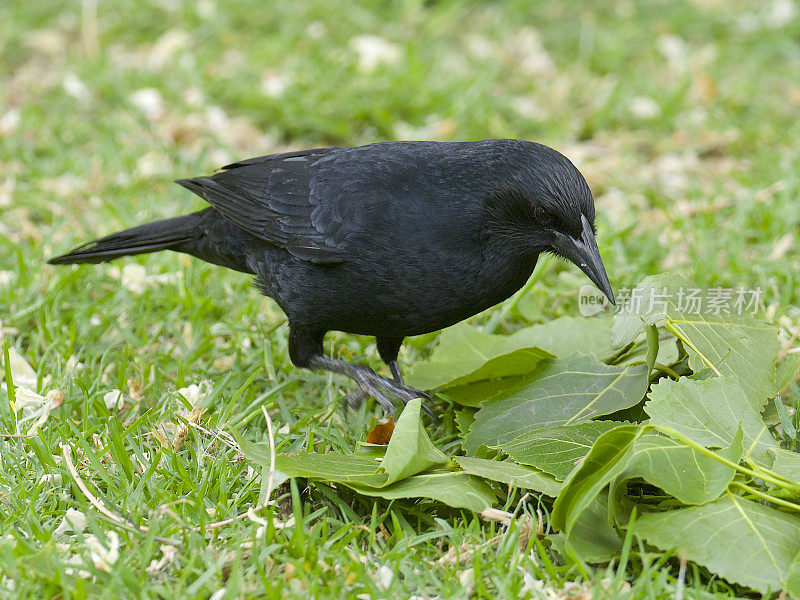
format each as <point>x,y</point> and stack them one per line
<point>272,198</point>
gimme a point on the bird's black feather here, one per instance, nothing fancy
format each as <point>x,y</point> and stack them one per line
<point>390,239</point>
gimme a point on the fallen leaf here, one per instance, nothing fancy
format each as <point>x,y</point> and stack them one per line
<point>381,433</point>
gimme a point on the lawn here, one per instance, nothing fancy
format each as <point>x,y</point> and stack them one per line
<point>681,115</point>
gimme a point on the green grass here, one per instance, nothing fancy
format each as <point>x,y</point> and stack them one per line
<point>706,186</point>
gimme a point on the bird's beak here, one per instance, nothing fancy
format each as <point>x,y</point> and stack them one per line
<point>583,252</point>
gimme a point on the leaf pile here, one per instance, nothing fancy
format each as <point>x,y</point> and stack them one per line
<point>658,414</point>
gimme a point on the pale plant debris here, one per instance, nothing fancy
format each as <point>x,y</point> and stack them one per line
<point>172,434</point>
<point>466,579</point>
<point>150,102</point>
<point>496,515</point>
<point>22,373</point>
<point>9,122</point>
<point>782,246</point>
<point>384,577</point>
<point>528,50</point>
<point>169,45</point>
<point>571,590</point>
<point>55,478</point>
<point>114,400</point>
<point>374,50</point>
<point>169,555</point>
<point>103,557</point>
<point>465,554</point>
<point>33,409</point>
<point>135,279</point>
<point>274,83</point>
<point>75,87</point>
<point>73,521</point>
<point>644,108</point>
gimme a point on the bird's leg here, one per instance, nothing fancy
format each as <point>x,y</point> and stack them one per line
<point>355,399</point>
<point>305,350</point>
<point>389,348</point>
<point>369,381</point>
<point>396,374</point>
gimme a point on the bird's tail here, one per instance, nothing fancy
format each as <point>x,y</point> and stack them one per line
<point>168,234</point>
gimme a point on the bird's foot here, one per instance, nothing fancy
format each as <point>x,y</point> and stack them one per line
<point>354,401</point>
<point>372,384</point>
<point>381,389</point>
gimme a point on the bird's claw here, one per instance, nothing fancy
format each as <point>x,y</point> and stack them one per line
<point>379,387</point>
<point>354,401</point>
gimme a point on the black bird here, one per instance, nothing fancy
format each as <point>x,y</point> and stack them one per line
<point>391,239</point>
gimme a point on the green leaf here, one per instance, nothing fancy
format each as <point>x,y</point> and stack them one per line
<point>784,417</point>
<point>629,324</point>
<point>652,344</point>
<point>410,450</point>
<point>475,394</point>
<point>506,471</point>
<point>592,537</point>
<point>785,371</point>
<point>606,460</point>
<point>792,582</point>
<point>556,450</point>
<point>787,464</point>
<point>259,454</point>
<point>335,467</point>
<point>522,360</point>
<point>558,337</point>
<point>709,413</point>
<point>562,392</point>
<point>681,471</point>
<point>464,419</point>
<point>743,541</point>
<point>669,351</point>
<point>7,413</point>
<point>456,489</point>
<point>465,355</point>
<point>730,344</point>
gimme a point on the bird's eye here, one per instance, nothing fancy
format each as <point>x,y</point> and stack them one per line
<point>543,218</point>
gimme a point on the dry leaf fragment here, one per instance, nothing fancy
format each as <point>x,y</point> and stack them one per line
<point>114,400</point>
<point>22,374</point>
<point>381,433</point>
<point>102,557</point>
<point>169,554</point>
<point>496,515</point>
<point>374,50</point>
<point>74,521</point>
<point>782,246</point>
<point>384,577</point>
<point>35,407</point>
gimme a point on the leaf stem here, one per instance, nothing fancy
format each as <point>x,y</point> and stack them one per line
<point>772,474</point>
<point>666,370</point>
<point>767,497</point>
<point>764,474</point>
<point>680,335</point>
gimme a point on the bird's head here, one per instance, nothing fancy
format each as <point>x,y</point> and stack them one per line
<point>543,202</point>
